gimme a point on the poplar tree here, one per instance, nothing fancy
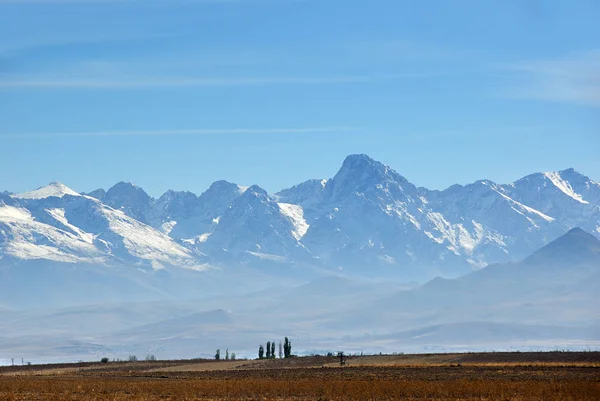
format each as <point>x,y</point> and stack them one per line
<point>287,348</point>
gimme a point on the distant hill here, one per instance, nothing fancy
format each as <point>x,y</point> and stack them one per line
<point>576,247</point>
<point>557,284</point>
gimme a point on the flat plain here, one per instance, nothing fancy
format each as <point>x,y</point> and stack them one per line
<point>475,376</point>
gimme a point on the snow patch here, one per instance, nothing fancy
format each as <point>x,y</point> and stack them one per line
<point>59,215</point>
<point>267,256</point>
<point>387,259</point>
<point>168,226</point>
<point>203,237</point>
<point>14,213</point>
<point>524,208</point>
<point>564,186</point>
<point>295,215</point>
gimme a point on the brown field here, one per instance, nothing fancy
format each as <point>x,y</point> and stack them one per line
<point>494,376</point>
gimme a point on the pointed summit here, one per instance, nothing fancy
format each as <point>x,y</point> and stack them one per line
<point>176,204</point>
<point>98,194</point>
<point>362,165</point>
<point>361,174</point>
<point>124,193</point>
<point>131,199</point>
<point>54,189</point>
<point>223,185</point>
<point>125,187</point>
<point>256,191</point>
<point>575,247</point>
<point>219,196</point>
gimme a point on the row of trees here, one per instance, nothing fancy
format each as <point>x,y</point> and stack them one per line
<point>285,350</point>
<point>228,356</point>
<point>268,352</point>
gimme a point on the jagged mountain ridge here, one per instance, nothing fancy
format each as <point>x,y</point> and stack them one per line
<point>57,224</point>
<point>367,219</point>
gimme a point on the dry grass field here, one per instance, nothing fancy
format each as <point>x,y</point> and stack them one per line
<point>496,376</point>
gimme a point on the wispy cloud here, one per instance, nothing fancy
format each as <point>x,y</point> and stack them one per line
<point>141,2</point>
<point>193,132</point>
<point>57,41</point>
<point>155,82</point>
<point>64,1</point>
<point>573,79</point>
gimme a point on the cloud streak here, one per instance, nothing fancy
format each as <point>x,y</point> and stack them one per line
<point>157,82</point>
<point>64,1</point>
<point>142,2</point>
<point>574,79</point>
<point>192,132</point>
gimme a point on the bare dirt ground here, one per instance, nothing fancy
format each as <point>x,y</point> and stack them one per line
<point>493,376</point>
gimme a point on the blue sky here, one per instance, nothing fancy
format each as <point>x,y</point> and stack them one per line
<point>177,94</point>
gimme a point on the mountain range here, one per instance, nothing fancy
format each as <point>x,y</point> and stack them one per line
<point>367,220</point>
<point>365,260</point>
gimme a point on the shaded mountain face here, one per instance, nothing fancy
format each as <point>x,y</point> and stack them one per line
<point>576,247</point>
<point>98,194</point>
<point>367,220</point>
<point>556,285</point>
<point>131,199</point>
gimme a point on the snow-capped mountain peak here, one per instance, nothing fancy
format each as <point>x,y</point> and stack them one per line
<point>54,189</point>
<point>361,168</point>
<point>360,175</point>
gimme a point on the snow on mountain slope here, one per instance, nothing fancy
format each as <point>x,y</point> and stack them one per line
<point>75,228</point>
<point>307,194</point>
<point>22,237</point>
<point>482,221</point>
<point>146,243</point>
<point>295,214</point>
<point>180,214</point>
<point>55,189</point>
<point>564,186</point>
<point>255,224</point>
<point>567,196</point>
<point>192,219</point>
<point>59,215</point>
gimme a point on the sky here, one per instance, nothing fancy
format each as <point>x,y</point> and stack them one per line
<point>177,94</point>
